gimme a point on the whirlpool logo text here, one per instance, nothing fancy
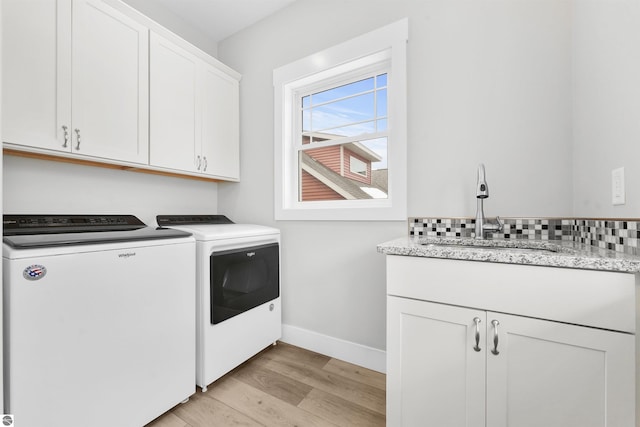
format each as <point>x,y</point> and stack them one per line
<point>126,254</point>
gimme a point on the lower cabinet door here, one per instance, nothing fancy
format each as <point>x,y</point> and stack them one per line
<point>435,377</point>
<point>557,375</point>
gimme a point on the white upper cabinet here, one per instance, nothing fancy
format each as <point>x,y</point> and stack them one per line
<point>173,112</point>
<point>220,123</point>
<point>75,79</point>
<point>194,113</point>
<point>36,43</point>
<point>110,86</point>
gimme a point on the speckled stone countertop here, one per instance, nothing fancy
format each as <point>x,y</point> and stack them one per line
<point>554,253</point>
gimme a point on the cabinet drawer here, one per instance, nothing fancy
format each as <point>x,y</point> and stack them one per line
<point>584,297</point>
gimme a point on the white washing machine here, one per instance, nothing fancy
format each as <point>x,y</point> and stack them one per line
<point>98,320</point>
<point>238,291</point>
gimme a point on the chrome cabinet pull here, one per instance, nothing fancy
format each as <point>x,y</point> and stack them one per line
<point>205,163</point>
<point>66,136</point>
<point>495,324</point>
<point>78,138</point>
<point>198,162</point>
<point>477,321</point>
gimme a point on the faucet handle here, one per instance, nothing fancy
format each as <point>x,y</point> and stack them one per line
<point>500,223</point>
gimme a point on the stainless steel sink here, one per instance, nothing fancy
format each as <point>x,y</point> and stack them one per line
<point>468,247</point>
<point>514,246</point>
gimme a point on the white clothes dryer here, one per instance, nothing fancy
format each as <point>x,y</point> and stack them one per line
<point>238,310</point>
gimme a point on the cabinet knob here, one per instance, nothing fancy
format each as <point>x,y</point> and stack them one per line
<point>77,131</point>
<point>495,324</point>
<point>477,321</point>
<point>65,129</point>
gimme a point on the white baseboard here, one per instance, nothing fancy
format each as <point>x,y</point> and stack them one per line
<point>358,354</point>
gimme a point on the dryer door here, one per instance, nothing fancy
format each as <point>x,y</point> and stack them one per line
<point>242,279</point>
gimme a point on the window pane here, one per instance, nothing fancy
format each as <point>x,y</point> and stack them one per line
<point>306,120</point>
<point>340,113</point>
<point>361,175</point>
<point>342,91</point>
<point>381,103</point>
<point>381,81</point>
<point>306,101</point>
<point>358,166</point>
<point>353,130</point>
<point>382,125</point>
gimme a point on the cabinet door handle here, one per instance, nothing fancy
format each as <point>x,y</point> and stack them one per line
<point>78,138</point>
<point>205,163</point>
<point>477,321</point>
<point>495,324</point>
<point>65,129</point>
<point>198,162</point>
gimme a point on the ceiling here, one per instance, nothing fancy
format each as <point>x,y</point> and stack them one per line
<point>218,19</point>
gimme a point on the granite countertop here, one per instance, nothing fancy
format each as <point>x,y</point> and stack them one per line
<point>553,253</point>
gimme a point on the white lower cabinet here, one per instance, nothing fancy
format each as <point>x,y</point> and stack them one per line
<point>434,377</point>
<point>458,366</point>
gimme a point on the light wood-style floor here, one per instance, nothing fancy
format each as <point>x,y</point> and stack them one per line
<point>285,385</point>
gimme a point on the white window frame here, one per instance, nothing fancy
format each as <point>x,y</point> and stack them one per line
<point>386,44</point>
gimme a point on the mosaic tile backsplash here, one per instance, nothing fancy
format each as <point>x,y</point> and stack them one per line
<point>618,235</point>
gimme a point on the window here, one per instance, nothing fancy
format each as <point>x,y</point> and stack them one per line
<point>358,167</point>
<point>340,131</point>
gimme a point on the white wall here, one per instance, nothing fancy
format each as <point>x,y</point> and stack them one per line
<point>44,187</point>
<point>170,21</point>
<point>485,85</point>
<point>606,105</point>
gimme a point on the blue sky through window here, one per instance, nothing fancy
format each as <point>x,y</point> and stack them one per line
<point>353,109</point>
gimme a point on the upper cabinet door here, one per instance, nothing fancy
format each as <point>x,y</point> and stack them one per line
<point>75,79</point>
<point>110,83</point>
<point>36,73</point>
<point>174,122</point>
<point>220,123</point>
<point>556,375</point>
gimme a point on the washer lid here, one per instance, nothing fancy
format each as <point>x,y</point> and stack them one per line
<point>36,231</point>
<point>88,238</point>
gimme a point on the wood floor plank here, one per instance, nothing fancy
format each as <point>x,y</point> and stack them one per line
<point>203,411</point>
<point>357,373</point>
<point>168,420</point>
<point>356,392</point>
<point>261,406</point>
<point>284,350</point>
<point>277,385</point>
<point>340,411</point>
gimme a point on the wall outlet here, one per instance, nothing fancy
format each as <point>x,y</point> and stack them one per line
<point>617,187</point>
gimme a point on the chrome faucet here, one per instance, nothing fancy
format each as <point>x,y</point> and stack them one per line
<point>482,192</point>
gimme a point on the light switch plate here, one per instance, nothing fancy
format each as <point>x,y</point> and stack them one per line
<point>617,187</point>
